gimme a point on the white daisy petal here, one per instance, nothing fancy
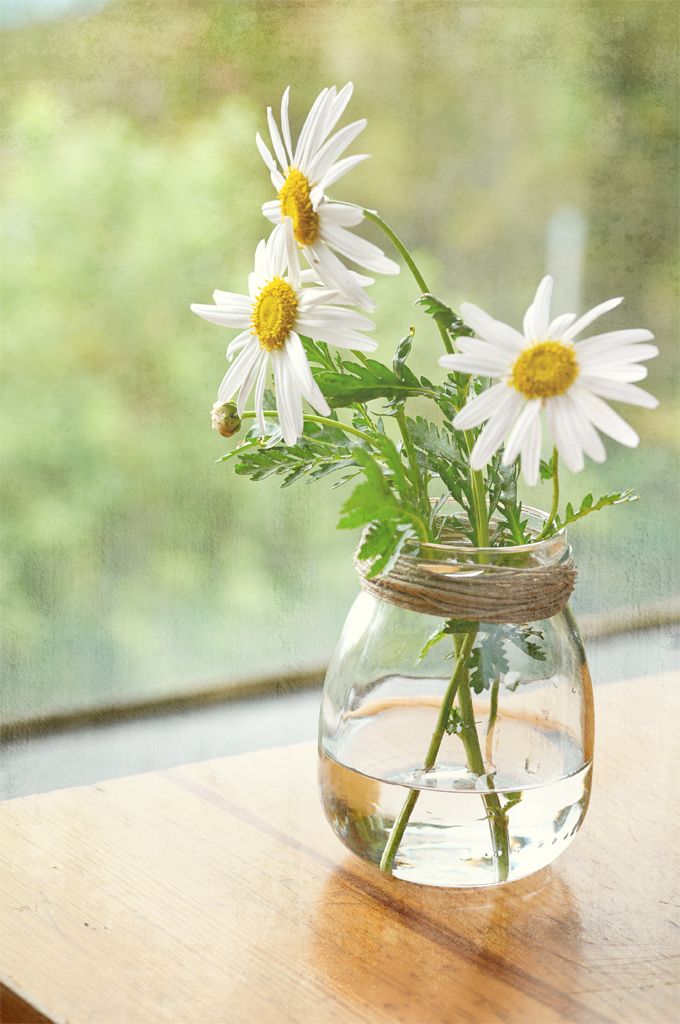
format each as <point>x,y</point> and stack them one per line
<point>220,316</point>
<point>359,250</point>
<point>340,337</point>
<point>485,366</point>
<point>516,437</point>
<point>604,418</point>
<point>318,132</point>
<point>309,298</point>
<point>309,276</point>
<point>259,395</point>
<point>626,374</point>
<point>540,309</point>
<point>337,316</point>
<point>237,343</point>
<point>299,361</point>
<point>335,273</point>
<point>331,150</point>
<point>565,435</point>
<point>238,371</point>
<point>261,269</point>
<point>339,106</point>
<point>285,124</point>
<point>339,213</point>
<point>491,330</point>
<point>307,128</point>
<point>531,452</point>
<point>277,250</point>
<point>493,433</point>
<point>288,400</point>
<point>589,438</point>
<point>276,140</point>
<point>249,381</point>
<point>232,302</point>
<point>339,169</point>
<point>302,370</point>
<point>619,391</point>
<point>478,408</point>
<point>605,356</point>
<point>275,173</point>
<point>589,317</point>
<point>294,393</point>
<point>559,325</point>
<point>272,211</point>
<point>474,349</point>
<point>613,340</point>
<point>292,259</point>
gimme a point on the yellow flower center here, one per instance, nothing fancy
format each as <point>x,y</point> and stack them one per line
<point>546,369</point>
<point>274,313</point>
<point>296,203</point>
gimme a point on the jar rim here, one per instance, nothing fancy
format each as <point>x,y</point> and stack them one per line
<point>554,547</point>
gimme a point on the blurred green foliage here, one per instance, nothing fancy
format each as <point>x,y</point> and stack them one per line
<point>132,186</point>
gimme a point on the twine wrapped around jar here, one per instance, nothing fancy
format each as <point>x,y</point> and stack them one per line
<point>480,590</point>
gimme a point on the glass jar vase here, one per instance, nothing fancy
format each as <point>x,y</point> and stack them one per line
<point>456,752</point>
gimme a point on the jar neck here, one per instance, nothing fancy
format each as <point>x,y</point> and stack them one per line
<point>454,548</point>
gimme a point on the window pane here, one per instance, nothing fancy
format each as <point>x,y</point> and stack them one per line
<point>134,564</point>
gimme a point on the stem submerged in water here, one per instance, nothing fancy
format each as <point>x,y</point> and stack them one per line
<point>460,682</point>
<point>498,822</point>
<point>402,820</point>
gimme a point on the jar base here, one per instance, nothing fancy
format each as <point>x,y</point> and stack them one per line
<point>448,841</point>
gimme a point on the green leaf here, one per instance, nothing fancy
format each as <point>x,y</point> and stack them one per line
<point>373,499</point>
<point>383,542</point>
<point>316,454</point>
<point>318,353</point>
<point>455,723</point>
<point>402,353</point>
<point>444,316</point>
<point>436,442</point>
<point>488,660</point>
<point>589,505</point>
<point>527,639</point>
<point>546,470</point>
<point>391,518</point>
<point>366,382</point>
<point>431,642</point>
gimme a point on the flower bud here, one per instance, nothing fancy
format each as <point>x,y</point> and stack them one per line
<point>225,419</point>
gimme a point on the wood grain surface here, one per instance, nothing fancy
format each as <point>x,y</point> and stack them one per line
<point>216,894</point>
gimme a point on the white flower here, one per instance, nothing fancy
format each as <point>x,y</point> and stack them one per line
<point>272,316</point>
<point>301,174</point>
<point>546,369</point>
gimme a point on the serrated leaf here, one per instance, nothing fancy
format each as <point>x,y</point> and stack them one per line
<point>373,503</point>
<point>444,315</point>
<point>589,505</point>
<point>436,442</point>
<point>546,470</point>
<point>365,382</point>
<point>401,355</point>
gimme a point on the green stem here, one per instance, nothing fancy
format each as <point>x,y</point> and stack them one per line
<point>402,820</point>
<point>398,245</point>
<point>480,513</point>
<point>498,822</point>
<point>554,463</point>
<point>250,414</point>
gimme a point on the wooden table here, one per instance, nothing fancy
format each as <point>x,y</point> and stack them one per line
<point>216,894</point>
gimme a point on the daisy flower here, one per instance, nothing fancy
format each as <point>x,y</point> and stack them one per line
<point>545,369</point>
<point>301,174</point>
<point>277,310</point>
